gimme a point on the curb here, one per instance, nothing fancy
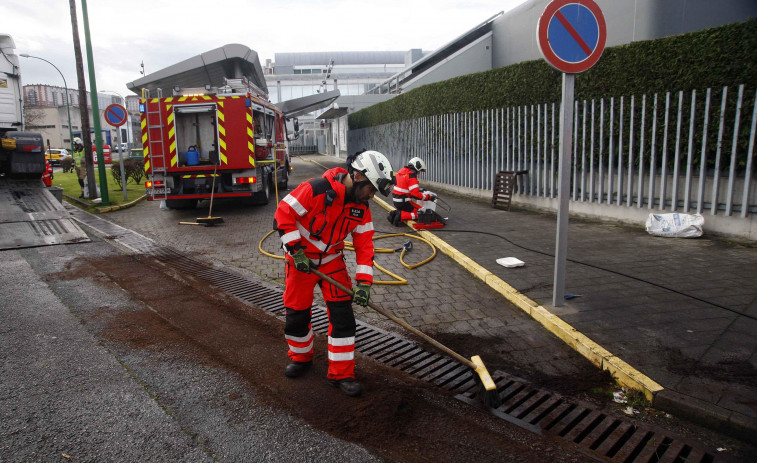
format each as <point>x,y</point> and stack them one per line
<point>623,373</point>
<point>697,410</point>
<point>101,210</point>
<point>688,407</point>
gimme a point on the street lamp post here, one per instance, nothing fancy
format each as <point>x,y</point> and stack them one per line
<point>68,105</point>
<point>120,141</point>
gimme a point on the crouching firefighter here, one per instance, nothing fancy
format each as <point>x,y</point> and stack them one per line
<point>407,196</point>
<point>313,222</point>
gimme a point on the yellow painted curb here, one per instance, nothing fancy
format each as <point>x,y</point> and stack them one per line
<point>119,206</point>
<point>624,374</point>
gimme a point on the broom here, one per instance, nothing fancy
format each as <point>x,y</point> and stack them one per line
<point>487,389</point>
<point>208,221</point>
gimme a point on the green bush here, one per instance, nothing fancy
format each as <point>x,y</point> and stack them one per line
<point>67,165</point>
<point>725,55</point>
<point>713,58</point>
<point>133,170</point>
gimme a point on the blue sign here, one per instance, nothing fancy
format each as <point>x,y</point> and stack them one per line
<point>115,115</point>
<point>572,34</point>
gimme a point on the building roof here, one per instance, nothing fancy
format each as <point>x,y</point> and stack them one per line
<point>322,58</point>
<point>232,61</point>
<point>432,59</point>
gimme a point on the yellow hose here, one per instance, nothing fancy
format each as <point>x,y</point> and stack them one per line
<point>398,280</point>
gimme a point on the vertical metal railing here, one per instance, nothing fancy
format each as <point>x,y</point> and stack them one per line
<point>626,151</point>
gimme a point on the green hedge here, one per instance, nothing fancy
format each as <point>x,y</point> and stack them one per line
<point>725,55</point>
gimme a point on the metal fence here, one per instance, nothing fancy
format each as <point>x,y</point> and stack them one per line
<point>677,151</point>
<point>303,149</point>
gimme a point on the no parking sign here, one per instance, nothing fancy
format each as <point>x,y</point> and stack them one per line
<point>571,34</point>
<point>115,114</point>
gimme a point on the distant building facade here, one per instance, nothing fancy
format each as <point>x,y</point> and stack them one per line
<point>45,112</point>
<point>353,73</point>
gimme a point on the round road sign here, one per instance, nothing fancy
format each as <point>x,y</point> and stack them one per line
<point>571,34</point>
<point>115,114</point>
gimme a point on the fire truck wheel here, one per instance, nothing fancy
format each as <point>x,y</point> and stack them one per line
<point>284,179</point>
<point>264,195</point>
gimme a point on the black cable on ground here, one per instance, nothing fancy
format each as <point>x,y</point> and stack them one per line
<point>714,304</point>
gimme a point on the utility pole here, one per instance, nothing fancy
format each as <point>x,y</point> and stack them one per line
<point>83,105</point>
<point>95,107</point>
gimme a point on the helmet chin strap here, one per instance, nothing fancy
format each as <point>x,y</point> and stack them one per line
<point>356,184</point>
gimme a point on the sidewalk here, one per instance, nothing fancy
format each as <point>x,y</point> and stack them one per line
<point>682,312</point>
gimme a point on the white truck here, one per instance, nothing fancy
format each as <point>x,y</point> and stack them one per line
<point>11,93</point>
<point>22,154</point>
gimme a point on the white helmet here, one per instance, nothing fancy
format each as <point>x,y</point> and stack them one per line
<point>375,166</point>
<point>77,141</point>
<point>418,163</point>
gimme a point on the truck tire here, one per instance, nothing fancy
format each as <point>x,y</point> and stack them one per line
<point>262,197</point>
<point>284,178</point>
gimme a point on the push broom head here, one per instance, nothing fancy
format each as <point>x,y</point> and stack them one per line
<point>487,388</point>
<point>209,221</point>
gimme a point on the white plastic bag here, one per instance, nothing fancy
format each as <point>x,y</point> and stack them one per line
<point>675,225</point>
<point>86,188</point>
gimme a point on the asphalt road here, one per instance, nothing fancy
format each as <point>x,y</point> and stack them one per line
<point>68,395</point>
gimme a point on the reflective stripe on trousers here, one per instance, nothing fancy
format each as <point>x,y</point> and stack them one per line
<point>298,300</point>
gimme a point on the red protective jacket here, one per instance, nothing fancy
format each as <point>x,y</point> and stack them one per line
<point>47,177</point>
<point>314,216</point>
<point>406,189</point>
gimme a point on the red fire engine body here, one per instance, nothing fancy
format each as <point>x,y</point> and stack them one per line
<point>238,137</point>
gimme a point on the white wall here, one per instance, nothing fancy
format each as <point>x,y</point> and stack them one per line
<point>627,21</point>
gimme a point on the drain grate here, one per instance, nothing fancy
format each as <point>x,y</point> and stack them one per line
<point>603,436</point>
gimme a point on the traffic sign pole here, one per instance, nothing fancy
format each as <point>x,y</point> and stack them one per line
<point>571,35</point>
<point>563,180</point>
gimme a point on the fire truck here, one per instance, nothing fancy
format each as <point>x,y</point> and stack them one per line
<point>217,132</point>
<point>232,135</point>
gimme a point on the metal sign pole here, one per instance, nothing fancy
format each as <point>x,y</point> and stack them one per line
<point>566,143</point>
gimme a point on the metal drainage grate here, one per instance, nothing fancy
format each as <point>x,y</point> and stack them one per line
<point>596,433</point>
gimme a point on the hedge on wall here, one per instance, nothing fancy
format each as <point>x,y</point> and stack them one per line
<point>725,55</point>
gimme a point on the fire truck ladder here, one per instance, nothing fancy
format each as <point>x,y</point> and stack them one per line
<point>159,142</point>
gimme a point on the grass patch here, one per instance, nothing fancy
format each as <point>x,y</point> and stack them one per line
<point>70,184</point>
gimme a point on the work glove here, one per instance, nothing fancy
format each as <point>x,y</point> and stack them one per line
<point>431,197</point>
<point>362,294</point>
<point>301,261</point>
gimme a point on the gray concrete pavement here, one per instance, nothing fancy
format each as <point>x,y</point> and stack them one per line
<point>68,395</point>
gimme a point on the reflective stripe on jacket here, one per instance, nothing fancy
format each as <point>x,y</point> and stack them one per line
<point>407,188</point>
<point>315,216</point>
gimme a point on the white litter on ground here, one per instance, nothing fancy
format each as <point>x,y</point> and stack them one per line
<point>510,262</point>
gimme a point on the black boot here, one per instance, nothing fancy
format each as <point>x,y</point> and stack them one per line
<point>347,385</point>
<point>296,369</point>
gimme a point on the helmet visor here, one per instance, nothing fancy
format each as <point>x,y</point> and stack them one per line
<point>384,186</point>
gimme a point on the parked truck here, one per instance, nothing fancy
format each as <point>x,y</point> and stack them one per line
<point>232,134</point>
<point>22,154</point>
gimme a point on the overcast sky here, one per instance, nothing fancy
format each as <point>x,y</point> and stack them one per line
<point>159,33</point>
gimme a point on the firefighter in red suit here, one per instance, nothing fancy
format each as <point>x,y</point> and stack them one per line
<point>407,192</point>
<point>47,177</point>
<point>313,222</point>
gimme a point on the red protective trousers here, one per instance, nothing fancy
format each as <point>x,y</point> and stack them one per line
<point>298,300</point>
